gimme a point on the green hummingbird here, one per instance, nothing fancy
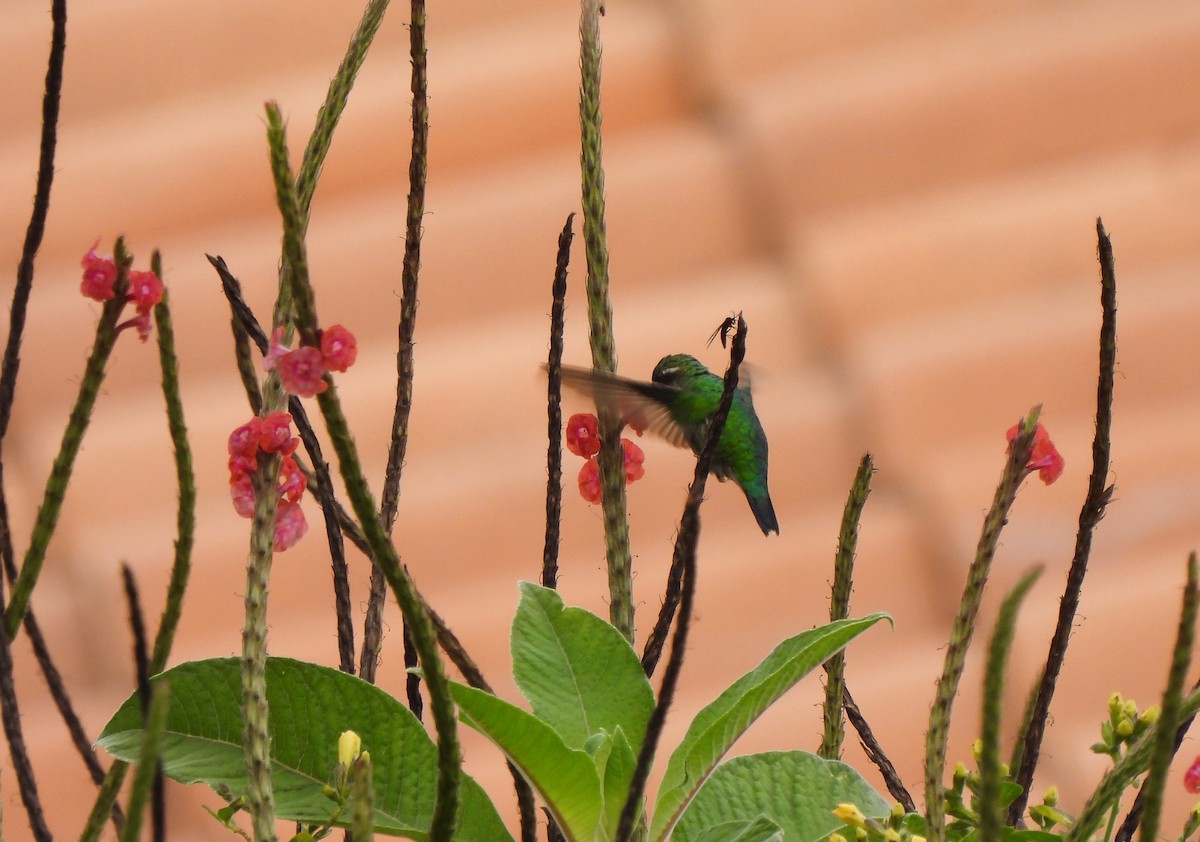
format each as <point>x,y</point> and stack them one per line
<point>676,404</point>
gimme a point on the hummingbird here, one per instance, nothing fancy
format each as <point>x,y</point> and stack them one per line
<point>676,404</point>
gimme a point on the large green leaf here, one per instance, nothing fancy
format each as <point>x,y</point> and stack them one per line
<point>718,725</point>
<point>794,789</point>
<point>564,777</point>
<point>579,674</point>
<point>761,829</point>
<point>310,705</point>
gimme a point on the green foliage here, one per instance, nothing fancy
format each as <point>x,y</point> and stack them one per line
<point>716,727</point>
<point>577,675</point>
<point>310,706</point>
<point>798,791</point>
<point>591,702</point>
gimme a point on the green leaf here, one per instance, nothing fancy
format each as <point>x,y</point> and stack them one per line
<point>718,725</point>
<point>579,674</point>
<point>310,706</point>
<point>564,777</point>
<point>796,790</point>
<point>761,829</point>
<point>616,776</point>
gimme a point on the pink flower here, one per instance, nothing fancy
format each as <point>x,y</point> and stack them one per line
<point>99,275</point>
<point>241,489</point>
<point>275,350</point>
<point>339,348</point>
<point>290,525</point>
<point>268,435</point>
<point>302,372</point>
<point>275,434</point>
<point>291,480</point>
<point>582,436</point>
<point>634,457</point>
<point>245,440</point>
<point>145,290</point>
<point>589,481</point>
<point>1045,458</point>
<point>1191,778</point>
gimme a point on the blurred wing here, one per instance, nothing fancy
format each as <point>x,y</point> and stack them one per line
<point>638,403</point>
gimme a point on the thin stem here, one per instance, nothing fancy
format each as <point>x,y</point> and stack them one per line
<point>256,734</point>
<point>549,579</point>
<point>141,668</point>
<point>185,480</point>
<point>937,735</point>
<point>990,809</point>
<point>336,97</point>
<point>600,329</point>
<point>147,767</point>
<point>362,801</point>
<point>11,715</point>
<point>51,100</point>
<point>105,802</point>
<point>398,447</point>
<point>839,608</point>
<point>875,753</point>
<point>685,550</point>
<point>64,462</point>
<point>382,551</point>
<point>1028,744</point>
<point>554,422</point>
<point>1168,719</point>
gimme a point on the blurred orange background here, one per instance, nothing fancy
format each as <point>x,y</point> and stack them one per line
<point>901,198</point>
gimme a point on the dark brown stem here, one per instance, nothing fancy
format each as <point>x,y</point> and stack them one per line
<point>54,681</point>
<point>11,714</point>
<point>51,100</point>
<point>685,551</point>
<point>390,499</point>
<point>554,407</point>
<point>870,744</point>
<point>1028,745</point>
<point>141,668</point>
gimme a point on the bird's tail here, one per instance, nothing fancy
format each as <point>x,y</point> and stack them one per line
<point>764,513</point>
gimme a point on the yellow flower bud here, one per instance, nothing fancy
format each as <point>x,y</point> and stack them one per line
<point>916,838</point>
<point>1130,708</point>
<point>1150,715</point>
<point>837,837</point>
<point>1051,796</point>
<point>349,747</point>
<point>851,815</point>
<point>365,757</point>
<point>891,835</point>
<point>897,811</point>
<point>977,749</point>
<point>1124,728</point>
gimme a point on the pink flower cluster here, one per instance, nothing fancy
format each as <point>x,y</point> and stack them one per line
<point>583,439</point>
<point>1045,458</point>
<point>145,288</point>
<point>302,370</point>
<point>271,434</point>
